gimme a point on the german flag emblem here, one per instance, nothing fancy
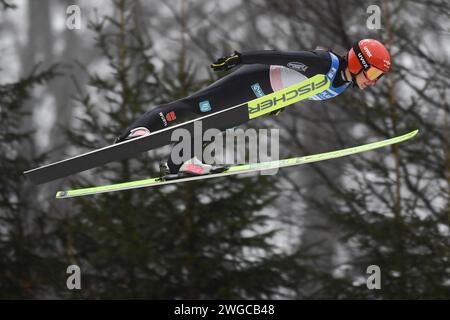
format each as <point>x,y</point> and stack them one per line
<point>170,116</point>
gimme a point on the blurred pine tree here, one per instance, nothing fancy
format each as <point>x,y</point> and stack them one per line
<point>23,239</point>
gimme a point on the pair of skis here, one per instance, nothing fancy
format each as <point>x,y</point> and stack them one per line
<point>238,169</point>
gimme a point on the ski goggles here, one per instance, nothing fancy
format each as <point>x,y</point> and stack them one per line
<point>373,74</point>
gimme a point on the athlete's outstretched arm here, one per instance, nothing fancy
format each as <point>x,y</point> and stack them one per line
<point>281,58</point>
<point>299,60</point>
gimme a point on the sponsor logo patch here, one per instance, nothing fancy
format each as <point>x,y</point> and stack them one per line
<point>332,72</point>
<point>297,66</point>
<point>257,90</point>
<point>363,61</point>
<point>163,119</point>
<point>366,50</point>
<point>284,98</point>
<point>205,106</point>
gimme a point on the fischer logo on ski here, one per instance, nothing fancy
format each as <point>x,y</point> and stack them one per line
<point>287,96</point>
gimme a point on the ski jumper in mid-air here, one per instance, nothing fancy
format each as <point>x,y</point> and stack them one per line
<point>261,73</point>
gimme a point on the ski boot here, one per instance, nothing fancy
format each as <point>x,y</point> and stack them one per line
<point>192,167</point>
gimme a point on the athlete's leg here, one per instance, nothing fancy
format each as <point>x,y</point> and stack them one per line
<point>158,118</point>
<point>246,83</point>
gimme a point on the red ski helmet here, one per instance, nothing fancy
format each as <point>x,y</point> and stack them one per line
<point>370,56</point>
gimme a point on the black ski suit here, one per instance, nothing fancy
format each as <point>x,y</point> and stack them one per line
<point>261,73</point>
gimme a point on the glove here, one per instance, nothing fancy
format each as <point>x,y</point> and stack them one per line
<point>228,62</point>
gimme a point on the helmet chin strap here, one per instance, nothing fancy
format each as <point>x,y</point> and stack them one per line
<point>353,79</point>
<point>354,83</point>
